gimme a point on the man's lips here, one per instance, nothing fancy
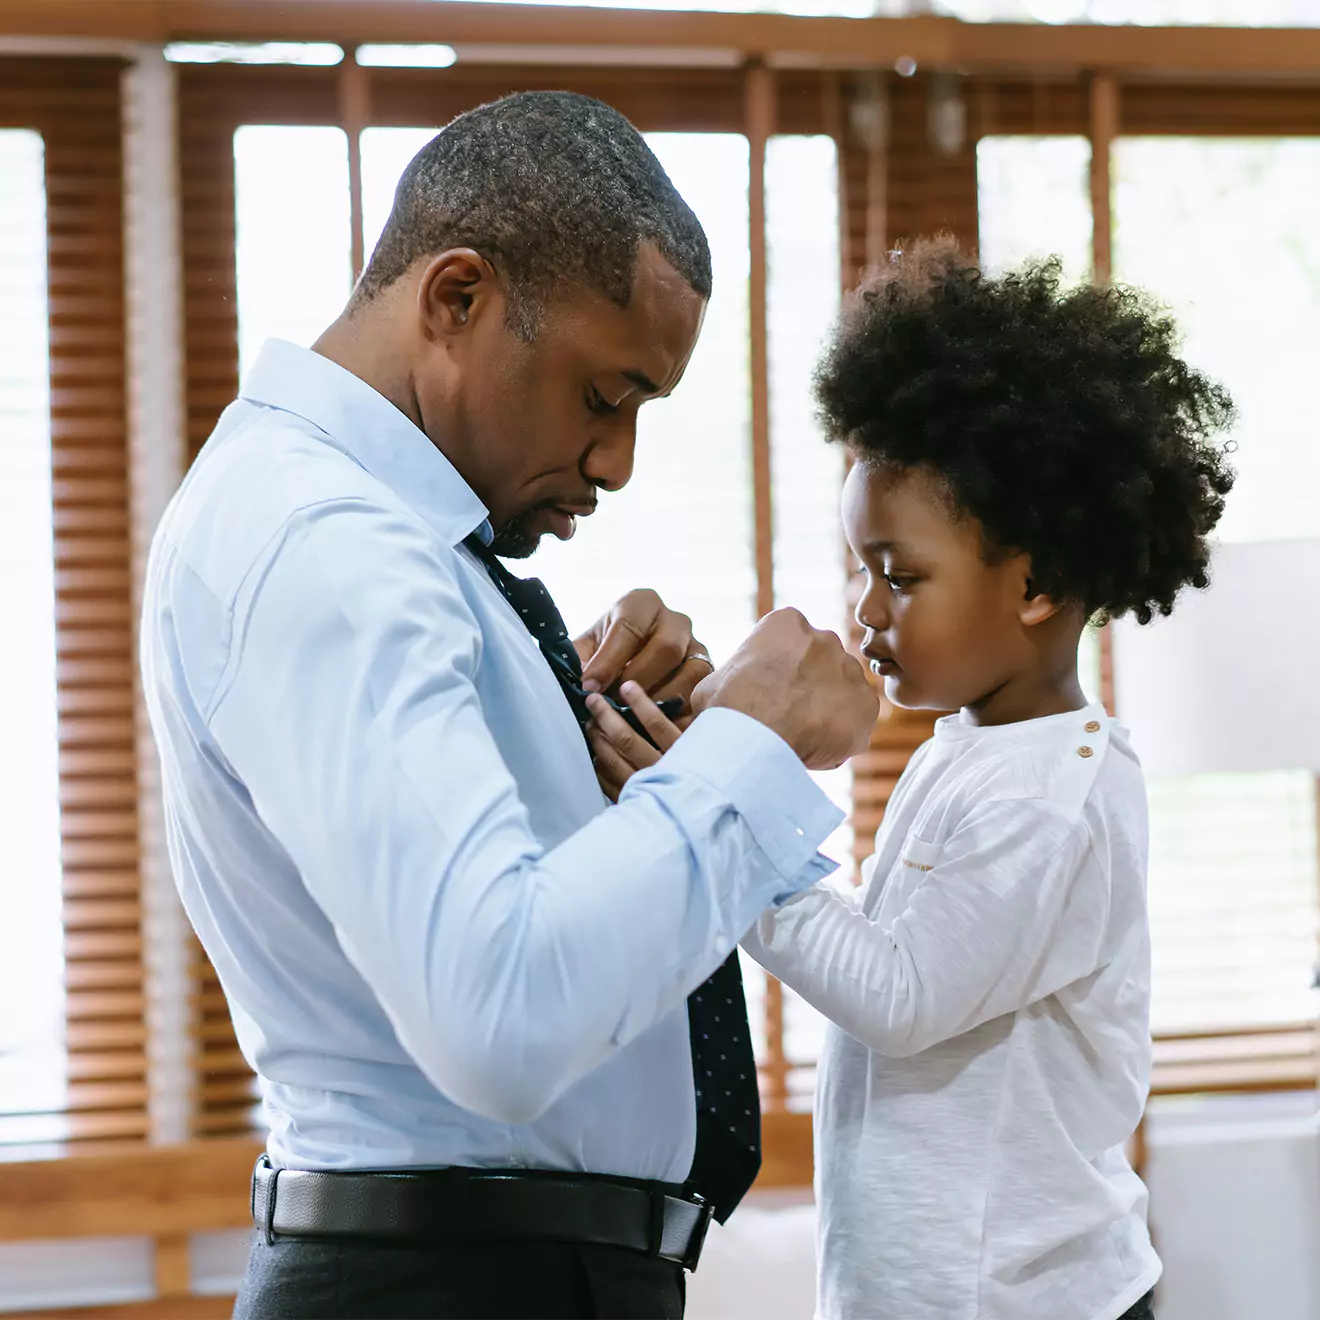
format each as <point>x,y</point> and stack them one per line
<point>562,518</point>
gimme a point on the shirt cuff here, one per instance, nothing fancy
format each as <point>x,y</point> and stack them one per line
<point>762,778</point>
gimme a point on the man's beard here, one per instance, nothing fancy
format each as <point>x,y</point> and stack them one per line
<point>515,540</point>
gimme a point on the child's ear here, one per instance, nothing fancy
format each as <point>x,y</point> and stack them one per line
<point>1036,607</point>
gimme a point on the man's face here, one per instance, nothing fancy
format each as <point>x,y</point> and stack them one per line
<point>539,429</point>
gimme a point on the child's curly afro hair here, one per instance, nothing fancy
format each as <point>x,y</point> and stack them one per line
<point>1063,420</point>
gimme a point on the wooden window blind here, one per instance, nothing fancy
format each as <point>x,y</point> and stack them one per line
<point>75,106</point>
<point>907,167</point>
<point>895,186</point>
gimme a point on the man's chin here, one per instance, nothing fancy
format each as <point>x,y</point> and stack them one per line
<point>515,540</point>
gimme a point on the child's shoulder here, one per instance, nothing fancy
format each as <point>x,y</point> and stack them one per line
<point>1067,765</point>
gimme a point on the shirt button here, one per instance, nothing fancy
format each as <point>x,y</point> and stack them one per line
<point>1085,752</point>
<point>1093,726</point>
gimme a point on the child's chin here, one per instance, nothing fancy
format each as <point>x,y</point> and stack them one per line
<point>901,691</point>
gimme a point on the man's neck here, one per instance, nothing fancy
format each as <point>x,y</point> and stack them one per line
<point>363,345</point>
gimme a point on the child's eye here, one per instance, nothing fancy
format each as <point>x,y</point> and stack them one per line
<point>599,404</point>
<point>900,581</point>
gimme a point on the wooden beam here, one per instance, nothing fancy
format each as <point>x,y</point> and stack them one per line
<point>1103,127</point>
<point>853,43</point>
<point>759,115</point>
<point>166,1191</point>
<point>158,1308</point>
<point>786,1141</point>
<point>173,1268</point>
<point>354,117</point>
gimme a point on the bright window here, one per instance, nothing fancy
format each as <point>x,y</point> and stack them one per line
<point>32,1071</point>
<point>1223,232</point>
<point>1219,232</point>
<point>293,250</point>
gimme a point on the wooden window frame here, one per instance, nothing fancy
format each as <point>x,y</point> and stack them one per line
<point>1014,79</point>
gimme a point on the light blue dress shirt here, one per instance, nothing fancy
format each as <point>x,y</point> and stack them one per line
<point>440,944</point>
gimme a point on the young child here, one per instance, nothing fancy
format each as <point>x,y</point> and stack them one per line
<point>1026,459</point>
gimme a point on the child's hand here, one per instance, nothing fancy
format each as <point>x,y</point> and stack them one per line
<point>618,750</point>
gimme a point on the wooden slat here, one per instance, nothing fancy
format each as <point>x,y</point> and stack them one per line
<point>95,945</point>
<point>100,1064</point>
<point>120,911</point>
<point>86,1006</point>
<point>102,988</point>
<point>86,1037</point>
<point>160,1308</point>
<point>787,1159</point>
<point>158,1190</point>
<point>172,1269</point>
<point>71,1133</point>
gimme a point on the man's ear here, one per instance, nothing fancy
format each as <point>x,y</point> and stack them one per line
<point>456,288</point>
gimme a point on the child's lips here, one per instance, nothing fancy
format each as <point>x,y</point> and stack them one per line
<point>883,666</point>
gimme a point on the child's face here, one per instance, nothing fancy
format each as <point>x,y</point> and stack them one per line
<point>944,628</point>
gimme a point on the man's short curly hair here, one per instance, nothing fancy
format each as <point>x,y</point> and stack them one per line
<point>1063,420</point>
<point>557,190</point>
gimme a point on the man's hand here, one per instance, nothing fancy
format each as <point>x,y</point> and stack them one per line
<point>617,749</point>
<point>800,682</point>
<point>641,640</point>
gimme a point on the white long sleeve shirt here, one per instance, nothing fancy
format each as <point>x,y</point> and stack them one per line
<point>989,987</point>
<point>440,944</point>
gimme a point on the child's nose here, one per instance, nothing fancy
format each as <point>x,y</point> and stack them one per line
<point>872,610</point>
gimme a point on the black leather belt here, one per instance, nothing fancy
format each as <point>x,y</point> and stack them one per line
<point>481,1205</point>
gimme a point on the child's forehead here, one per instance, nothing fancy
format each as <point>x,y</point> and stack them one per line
<point>897,509</point>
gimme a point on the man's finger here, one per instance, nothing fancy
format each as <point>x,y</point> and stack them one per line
<point>663,731</point>
<point>631,623</point>
<point>611,772</point>
<point>627,745</point>
<point>683,681</point>
<point>664,652</point>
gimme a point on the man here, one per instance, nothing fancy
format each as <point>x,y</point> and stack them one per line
<point>461,976</point>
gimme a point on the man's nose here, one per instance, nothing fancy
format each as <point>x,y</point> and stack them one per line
<point>608,464</point>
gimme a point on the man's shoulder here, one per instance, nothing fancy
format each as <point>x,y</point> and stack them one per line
<point>259,474</point>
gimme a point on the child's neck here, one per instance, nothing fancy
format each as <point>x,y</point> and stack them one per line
<point>1029,696</point>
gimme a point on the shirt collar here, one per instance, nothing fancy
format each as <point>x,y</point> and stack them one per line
<point>370,430</point>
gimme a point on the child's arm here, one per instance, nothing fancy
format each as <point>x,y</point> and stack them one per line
<point>1013,908</point>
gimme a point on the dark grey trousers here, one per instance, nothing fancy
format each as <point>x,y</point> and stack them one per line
<point>499,1280</point>
<point>1142,1310</point>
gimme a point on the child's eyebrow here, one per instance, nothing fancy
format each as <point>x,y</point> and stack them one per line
<point>879,547</point>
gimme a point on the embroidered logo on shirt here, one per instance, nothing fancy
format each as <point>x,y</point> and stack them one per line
<point>917,866</point>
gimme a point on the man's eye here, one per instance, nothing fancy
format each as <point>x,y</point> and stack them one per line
<point>599,404</point>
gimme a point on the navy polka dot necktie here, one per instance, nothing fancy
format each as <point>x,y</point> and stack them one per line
<point>728,1150</point>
